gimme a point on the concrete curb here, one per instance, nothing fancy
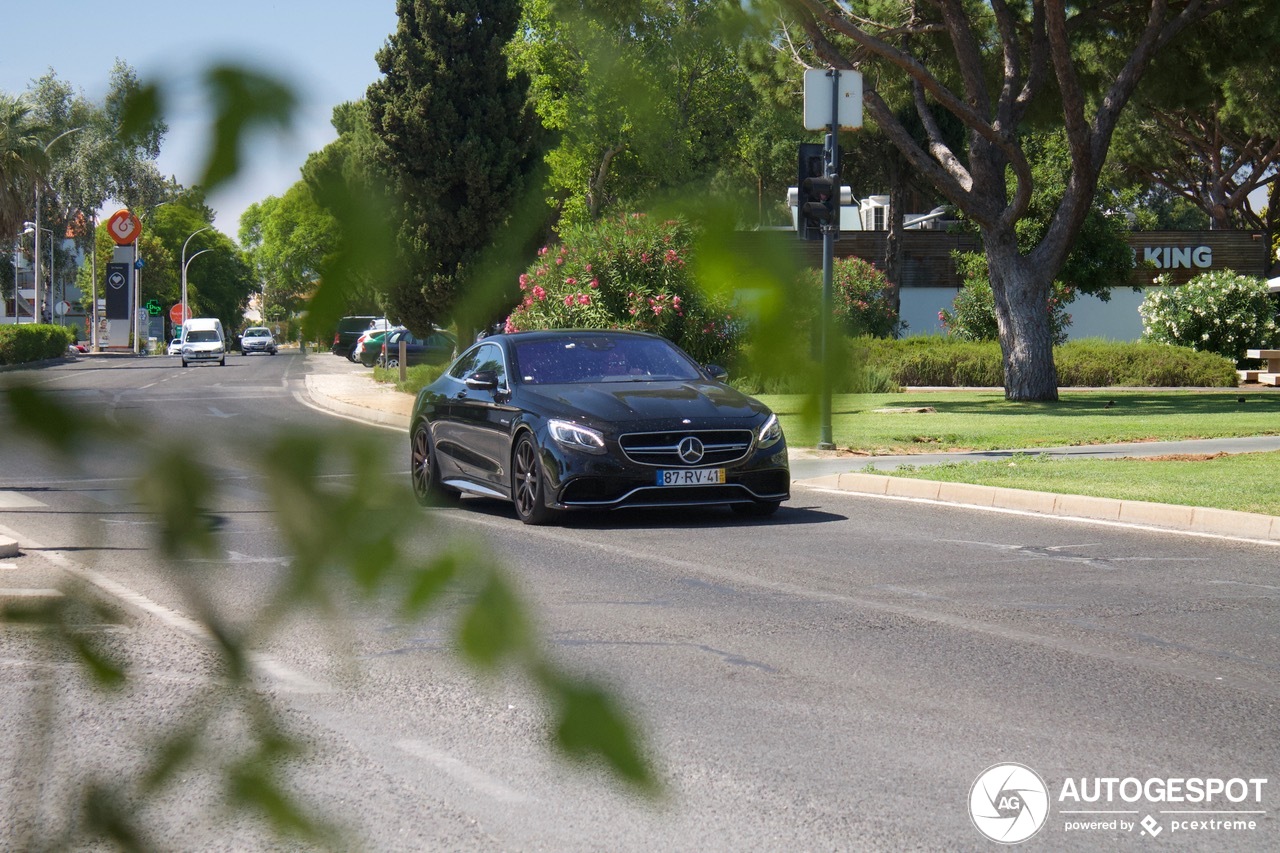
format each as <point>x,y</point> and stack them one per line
<point>8,547</point>
<point>387,412</point>
<point>1217,522</point>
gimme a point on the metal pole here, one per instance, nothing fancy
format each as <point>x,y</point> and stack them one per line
<point>137,296</point>
<point>35,260</point>
<point>17,247</point>
<point>186,263</point>
<point>52,283</point>
<point>185,309</point>
<point>829,228</point>
<point>93,281</point>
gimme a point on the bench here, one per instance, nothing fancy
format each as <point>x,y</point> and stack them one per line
<point>1270,376</point>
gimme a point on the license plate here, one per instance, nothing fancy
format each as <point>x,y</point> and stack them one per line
<point>691,477</point>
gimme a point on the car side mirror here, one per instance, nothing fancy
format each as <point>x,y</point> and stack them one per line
<point>483,380</point>
<point>717,372</point>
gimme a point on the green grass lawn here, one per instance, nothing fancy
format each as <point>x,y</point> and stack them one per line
<point>1249,482</point>
<point>971,420</point>
<point>975,420</point>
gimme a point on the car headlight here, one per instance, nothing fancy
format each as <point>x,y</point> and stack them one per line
<point>769,434</point>
<point>576,436</point>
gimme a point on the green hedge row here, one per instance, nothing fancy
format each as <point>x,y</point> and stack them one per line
<point>932,360</point>
<point>20,344</point>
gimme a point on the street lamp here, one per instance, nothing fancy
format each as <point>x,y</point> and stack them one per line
<point>186,263</point>
<point>137,276</point>
<point>32,228</point>
<point>36,259</point>
<point>185,310</point>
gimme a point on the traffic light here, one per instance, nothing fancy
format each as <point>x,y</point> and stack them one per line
<point>817,196</point>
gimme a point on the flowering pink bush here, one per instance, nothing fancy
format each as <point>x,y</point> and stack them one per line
<point>863,300</point>
<point>627,272</point>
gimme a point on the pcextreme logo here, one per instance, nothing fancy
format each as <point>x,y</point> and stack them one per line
<point>1010,803</point>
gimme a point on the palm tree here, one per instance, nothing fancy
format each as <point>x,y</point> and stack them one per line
<point>23,161</point>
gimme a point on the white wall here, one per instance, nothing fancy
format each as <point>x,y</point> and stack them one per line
<point>1117,320</point>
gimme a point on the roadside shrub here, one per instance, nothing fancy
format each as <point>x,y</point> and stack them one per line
<point>934,360</point>
<point>1220,312</point>
<point>973,312</point>
<point>22,344</point>
<point>628,272</point>
<point>1093,362</point>
<point>941,361</point>
<point>851,374</point>
<point>863,298</point>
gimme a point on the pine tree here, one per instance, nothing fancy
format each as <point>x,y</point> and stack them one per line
<point>459,142</point>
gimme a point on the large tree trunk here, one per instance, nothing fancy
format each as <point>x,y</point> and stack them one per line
<point>893,240</point>
<point>1022,313</point>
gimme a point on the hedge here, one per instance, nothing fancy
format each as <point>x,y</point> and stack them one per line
<point>22,344</point>
<point>933,360</point>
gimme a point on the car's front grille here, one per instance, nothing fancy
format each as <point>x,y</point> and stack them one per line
<point>678,449</point>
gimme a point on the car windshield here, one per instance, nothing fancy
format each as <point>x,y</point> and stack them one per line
<point>601,358</point>
<point>257,333</point>
<point>202,336</point>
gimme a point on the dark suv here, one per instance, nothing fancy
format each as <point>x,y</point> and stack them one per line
<point>349,331</point>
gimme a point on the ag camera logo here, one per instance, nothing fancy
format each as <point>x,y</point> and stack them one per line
<point>1009,803</point>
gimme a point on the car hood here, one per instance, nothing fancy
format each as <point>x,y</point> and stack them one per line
<point>633,402</point>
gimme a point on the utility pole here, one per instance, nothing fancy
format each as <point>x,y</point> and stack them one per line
<point>840,105</point>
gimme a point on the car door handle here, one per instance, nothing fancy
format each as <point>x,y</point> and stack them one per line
<point>461,395</point>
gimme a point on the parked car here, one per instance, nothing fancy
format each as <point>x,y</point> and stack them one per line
<point>175,346</point>
<point>349,330</point>
<point>569,420</point>
<point>368,339</point>
<point>438,348</point>
<point>258,339</point>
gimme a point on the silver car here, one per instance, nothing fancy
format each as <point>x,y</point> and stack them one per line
<point>258,339</point>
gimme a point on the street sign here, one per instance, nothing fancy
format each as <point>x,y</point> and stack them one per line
<point>142,317</point>
<point>61,308</point>
<point>176,316</point>
<point>123,227</point>
<point>118,291</point>
<point>818,100</point>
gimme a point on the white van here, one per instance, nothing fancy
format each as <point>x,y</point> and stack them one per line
<point>202,340</point>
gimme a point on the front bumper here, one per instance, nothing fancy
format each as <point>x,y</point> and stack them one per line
<point>204,355</point>
<point>577,480</point>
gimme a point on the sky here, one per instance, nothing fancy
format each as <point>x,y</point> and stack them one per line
<point>323,48</point>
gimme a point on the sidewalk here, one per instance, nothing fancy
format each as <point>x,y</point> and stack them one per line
<point>348,389</point>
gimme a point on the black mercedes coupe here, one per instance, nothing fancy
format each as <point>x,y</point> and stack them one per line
<point>572,420</point>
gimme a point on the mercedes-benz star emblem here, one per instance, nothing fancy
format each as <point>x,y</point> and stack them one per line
<point>690,450</point>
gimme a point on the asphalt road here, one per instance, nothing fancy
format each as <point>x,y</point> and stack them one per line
<point>834,678</point>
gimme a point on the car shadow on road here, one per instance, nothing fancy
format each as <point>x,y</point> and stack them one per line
<point>666,518</point>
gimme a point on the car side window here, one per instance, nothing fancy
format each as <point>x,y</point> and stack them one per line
<point>466,365</point>
<point>490,360</point>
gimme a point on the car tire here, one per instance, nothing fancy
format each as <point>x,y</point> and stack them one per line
<point>424,474</point>
<point>222,362</point>
<point>351,357</point>
<point>757,510</point>
<point>393,362</point>
<point>528,487</point>
<point>184,362</point>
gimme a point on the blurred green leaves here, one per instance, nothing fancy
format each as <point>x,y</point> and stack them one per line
<point>346,526</point>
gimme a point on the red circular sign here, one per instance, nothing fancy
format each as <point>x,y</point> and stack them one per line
<point>175,314</point>
<point>123,227</point>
